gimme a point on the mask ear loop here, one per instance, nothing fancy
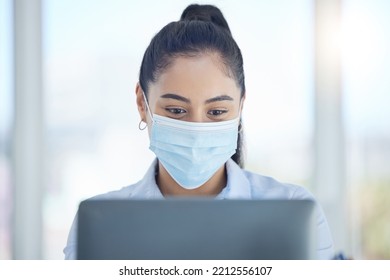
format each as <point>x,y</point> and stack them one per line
<point>240,125</point>
<point>147,106</point>
<point>140,127</point>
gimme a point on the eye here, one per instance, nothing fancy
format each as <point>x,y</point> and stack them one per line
<point>217,112</point>
<point>176,111</point>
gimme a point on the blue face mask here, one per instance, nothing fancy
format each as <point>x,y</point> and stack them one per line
<point>192,152</point>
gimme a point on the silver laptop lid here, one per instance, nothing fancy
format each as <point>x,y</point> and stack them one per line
<point>196,229</point>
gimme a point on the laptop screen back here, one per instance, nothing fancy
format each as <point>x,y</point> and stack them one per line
<point>195,229</point>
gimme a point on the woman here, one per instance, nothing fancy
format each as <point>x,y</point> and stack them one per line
<point>190,97</point>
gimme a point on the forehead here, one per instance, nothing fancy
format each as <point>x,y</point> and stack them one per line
<point>199,76</point>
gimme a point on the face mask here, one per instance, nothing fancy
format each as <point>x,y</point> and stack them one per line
<point>192,152</point>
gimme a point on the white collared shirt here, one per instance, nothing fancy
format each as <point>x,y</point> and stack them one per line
<point>241,184</point>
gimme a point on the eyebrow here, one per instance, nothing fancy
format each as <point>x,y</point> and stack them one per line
<point>186,100</point>
<point>219,98</point>
<point>175,96</point>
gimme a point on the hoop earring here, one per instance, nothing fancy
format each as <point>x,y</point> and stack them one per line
<point>140,127</point>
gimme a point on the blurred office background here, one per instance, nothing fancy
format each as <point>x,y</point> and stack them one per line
<point>316,114</point>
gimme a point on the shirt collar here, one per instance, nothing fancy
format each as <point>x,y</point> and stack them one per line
<point>147,188</point>
<point>237,187</point>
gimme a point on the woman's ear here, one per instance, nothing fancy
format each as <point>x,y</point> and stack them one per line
<point>140,102</point>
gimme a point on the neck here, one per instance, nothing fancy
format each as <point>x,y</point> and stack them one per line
<point>169,187</point>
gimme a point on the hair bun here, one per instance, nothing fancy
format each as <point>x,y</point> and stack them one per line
<point>205,13</point>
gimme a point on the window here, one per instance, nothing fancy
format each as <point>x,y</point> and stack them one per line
<point>6,106</point>
<point>366,60</point>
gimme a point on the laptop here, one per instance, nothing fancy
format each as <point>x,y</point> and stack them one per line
<point>196,229</point>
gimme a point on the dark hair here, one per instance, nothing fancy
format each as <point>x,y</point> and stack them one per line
<point>202,28</point>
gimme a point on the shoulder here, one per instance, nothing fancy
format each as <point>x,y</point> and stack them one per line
<point>264,187</point>
<point>123,193</point>
<point>244,183</point>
